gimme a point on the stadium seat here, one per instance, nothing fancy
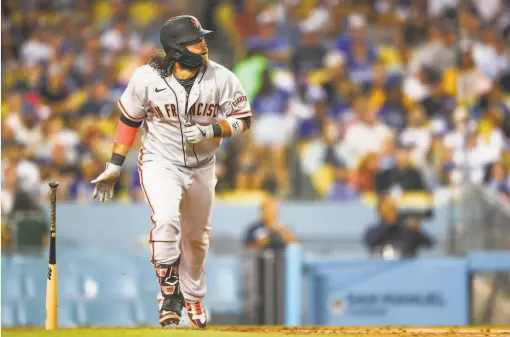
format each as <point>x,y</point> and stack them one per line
<point>70,283</point>
<point>5,262</point>
<point>8,313</point>
<point>35,276</point>
<point>109,279</point>
<point>32,312</point>
<point>106,312</point>
<point>149,307</point>
<point>12,284</point>
<point>223,280</point>
<point>146,277</point>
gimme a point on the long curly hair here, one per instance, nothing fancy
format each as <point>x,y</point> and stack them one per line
<point>161,63</point>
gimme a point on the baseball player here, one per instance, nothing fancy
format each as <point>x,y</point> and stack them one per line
<point>185,104</point>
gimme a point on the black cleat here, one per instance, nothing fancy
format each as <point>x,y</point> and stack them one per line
<point>170,298</point>
<point>170,311</point>
<point>196,314</point>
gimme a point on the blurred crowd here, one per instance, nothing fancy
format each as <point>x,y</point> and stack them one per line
<point>377,96</point>
<point>349,96</point>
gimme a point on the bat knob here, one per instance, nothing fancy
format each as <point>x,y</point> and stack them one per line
<point>53,184</point>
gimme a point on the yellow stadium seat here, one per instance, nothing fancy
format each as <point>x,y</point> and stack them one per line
<point>142,12</point>
<point>389,55</point>
<point>78,98</point>
<point>450,81</point>
<point>322,179</point>
<point>107,126</point>
<point>408,200</point>
<point>377,98</point>
<point>318,76</point>
<point>242,196</point>
<point>225,16</point>
<point>102,10</point>
<point>302,146</point>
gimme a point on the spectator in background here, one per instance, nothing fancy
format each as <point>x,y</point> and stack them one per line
<point>97,104</point>
<point>89,62</point>
<point>323,163</point>
<point>393,236</point>
<point>249,175</point>
<point>415,28</point>
<point>467,82</point>
<point>499,180</point>
<point>80,187</point>
<point>55,93</point>
<point>269,41</point>
<point>438,105</point>
<point>490,53</point>
<point>268,232</point>
<point>401,178</point>
<point>363,177</point>
<point>491,135</point>
<point>121,38</point>
<point>472,160</point>
<point>36,49</point>
<point>246,19</point>
<point>310,54</point>
<point>27,233</point>
<point>439,51</point>
<point>360,54</point>
<point>336,86</point>
<point>72,59</point>
<point>417,135</point>
<point>366,134</point>
<point>273,129</point>
<point>393,110</point>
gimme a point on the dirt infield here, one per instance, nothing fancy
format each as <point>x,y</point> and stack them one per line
<point>373,331</point>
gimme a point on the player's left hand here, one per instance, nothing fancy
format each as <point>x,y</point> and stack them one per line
<point>197,133</point>
<point>105,182</point>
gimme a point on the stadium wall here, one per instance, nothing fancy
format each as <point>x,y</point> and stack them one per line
<point>317,225</point>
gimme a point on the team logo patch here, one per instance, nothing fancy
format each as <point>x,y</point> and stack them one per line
<point>240,100</point>
<point>195,23</point>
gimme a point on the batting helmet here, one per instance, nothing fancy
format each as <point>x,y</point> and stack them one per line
<point>176,33</point>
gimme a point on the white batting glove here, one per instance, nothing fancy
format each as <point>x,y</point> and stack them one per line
<point>197,133</point>
<point>105,182</point>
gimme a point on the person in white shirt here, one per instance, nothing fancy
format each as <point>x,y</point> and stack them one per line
<point>120,38</point>
<point>366,135</point>
<point>417,135</point>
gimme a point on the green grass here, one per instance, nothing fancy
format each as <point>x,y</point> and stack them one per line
<point>146,332</point>
<point>263,331</point>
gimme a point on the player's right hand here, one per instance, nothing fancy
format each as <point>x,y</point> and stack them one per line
<point>105,182</point>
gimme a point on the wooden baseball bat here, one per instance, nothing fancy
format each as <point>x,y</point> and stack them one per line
<point>52,282</point>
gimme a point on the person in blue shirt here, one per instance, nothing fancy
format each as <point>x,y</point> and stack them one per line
<point>274,46</point>
<point>393,110</point>
<point>360,55</point>
<point>273,129</point>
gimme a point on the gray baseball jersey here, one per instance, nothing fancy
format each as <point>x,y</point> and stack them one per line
<point>164,106</point>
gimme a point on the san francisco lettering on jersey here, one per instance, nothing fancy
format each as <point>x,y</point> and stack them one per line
<point>205,109</point>
<point>215,95</point>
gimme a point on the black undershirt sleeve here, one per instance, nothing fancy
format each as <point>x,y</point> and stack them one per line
<point>129,122</point>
